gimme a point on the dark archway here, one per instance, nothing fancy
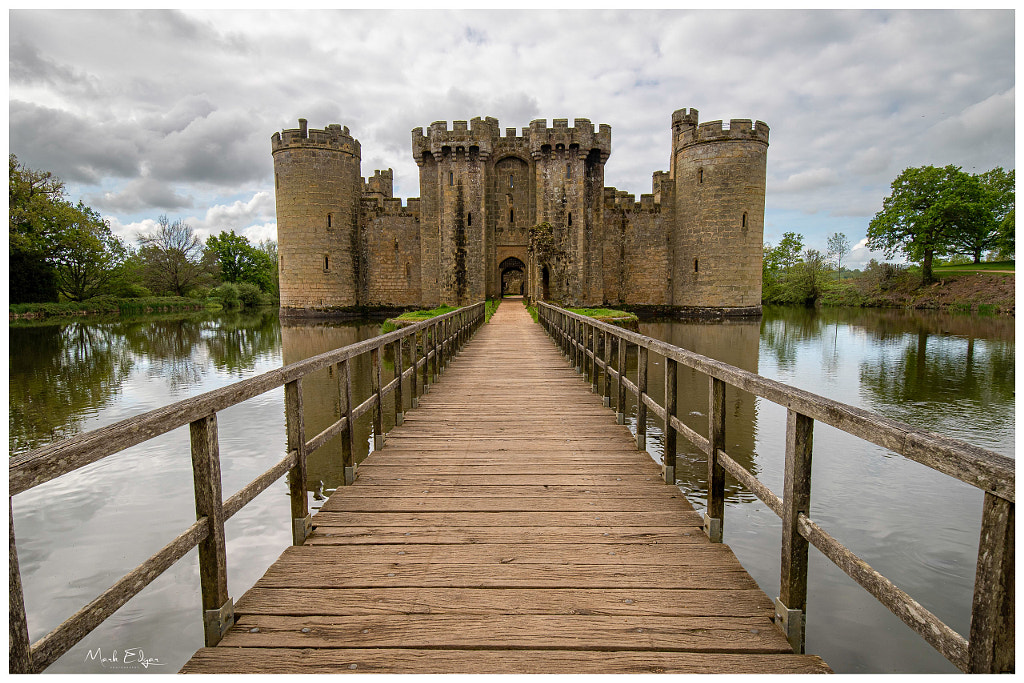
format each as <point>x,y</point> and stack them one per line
<point>545,283</point>
<point>513,276</point>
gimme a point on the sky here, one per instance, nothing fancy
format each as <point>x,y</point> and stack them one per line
<point>148,113</point>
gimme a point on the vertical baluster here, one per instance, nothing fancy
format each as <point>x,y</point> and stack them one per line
<point>641,405</point>
<point>714,518</point>
<point>607,346</point>
<point>301,524</point>
<point>426,359</point>
<point>620,398</point>
<point>218,609</point>
<point>19,645</point>
<point>399,394</point>
<point>436,348</point>
<point>791,605</point>
<point>348,441</point>
<point>991,648</point>
<point>669,458</point>
<point>378,409</point>
<point>594,338</point>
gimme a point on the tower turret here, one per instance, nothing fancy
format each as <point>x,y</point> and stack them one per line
<point>716,239</point>
<point>318,184</point>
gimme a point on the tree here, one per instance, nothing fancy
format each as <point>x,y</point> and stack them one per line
<point>239,261</point>
<point>928,210</point>
<point>34,197</point>
<point>838,248</point>
<point>172,257</point>
<point>269,247</point>
<point>998,186</point>
<point>87,256</point>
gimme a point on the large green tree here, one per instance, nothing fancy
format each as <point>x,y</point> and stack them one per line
<point>928,210</point>
<point>33,199</point>
<point>239,261</point>
<point>999,187</point>
<point>87,256</point>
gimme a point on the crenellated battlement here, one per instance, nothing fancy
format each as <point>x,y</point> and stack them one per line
<point>622,200</point>
<point>392,206</point>
<point>381,184</point>
<point>477,134</point>
<point>333,137</point>
<point>561,136</point>
<point>715,131</point>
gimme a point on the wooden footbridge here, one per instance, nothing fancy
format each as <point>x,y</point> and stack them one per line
<point>511,524</point>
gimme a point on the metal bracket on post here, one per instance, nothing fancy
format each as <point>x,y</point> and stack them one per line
<point>668,474</point>
<point>350,475</point>
<point>301,529</point>
<point>216,622</point>
<point>791,621</point>
<point>620,418</point>
<point>607,401</point>
<point>415,402</point>
<point>378,442</point>
<point>399,419</point>
<point>713,528</point>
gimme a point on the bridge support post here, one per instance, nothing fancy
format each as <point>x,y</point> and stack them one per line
<point>991,648</point>
<point>714,519</point>
<point>796,499</point>
<point>301,525</point>
<point>218,609</point>
<point>595,338</point>
<point>607,348</point>
<point>399,394</point>
<point>19,645</point>
<point>414,398</point>
<point>620,397</point>
<point>669,458</point>
<point>348,441</point>
<point>641,394</point>
<point>378,409</point>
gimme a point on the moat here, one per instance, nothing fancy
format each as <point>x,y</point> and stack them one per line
<point>76,535</point>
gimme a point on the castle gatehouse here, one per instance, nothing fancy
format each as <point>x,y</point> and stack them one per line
<point>522,211</point>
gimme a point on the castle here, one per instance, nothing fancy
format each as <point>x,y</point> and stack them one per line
<point>527,213</point>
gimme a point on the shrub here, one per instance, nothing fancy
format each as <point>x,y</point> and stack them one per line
<point>226,294</point>
<point>249,294</point>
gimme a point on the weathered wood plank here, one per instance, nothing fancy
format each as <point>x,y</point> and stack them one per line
<point>614,601</point>
<point>515,519</point>
<point>487,504</point>
<point>407,661</point>
<point>325,534</point>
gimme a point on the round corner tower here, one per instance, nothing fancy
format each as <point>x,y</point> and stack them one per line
<point>717,237</point>
<point>318,183</point>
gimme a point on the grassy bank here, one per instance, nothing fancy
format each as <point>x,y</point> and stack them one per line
<point>609,315</point>
<point>410,317</point>
<point>978,290</point>
<point>104,305</point>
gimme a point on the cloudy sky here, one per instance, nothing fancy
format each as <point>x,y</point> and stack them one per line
<point>144,113</point>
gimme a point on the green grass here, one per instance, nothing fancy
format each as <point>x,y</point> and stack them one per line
<point>490,307</point>
<point>603,313</point>
<point>974,267</point>
<point>532,310</point>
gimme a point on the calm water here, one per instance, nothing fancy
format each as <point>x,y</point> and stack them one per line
<point>80,533</point>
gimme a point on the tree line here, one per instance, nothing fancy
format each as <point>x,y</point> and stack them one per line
<point>931,213</point>
<point>62,251</point>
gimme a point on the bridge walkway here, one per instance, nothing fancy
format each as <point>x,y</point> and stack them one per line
<point>508,526</point>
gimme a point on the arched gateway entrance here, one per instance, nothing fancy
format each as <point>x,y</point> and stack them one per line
<point>513,276</point>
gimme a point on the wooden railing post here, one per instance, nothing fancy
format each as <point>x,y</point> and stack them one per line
<point>594,338</point>
<point>378,411</point>
<point>426,359</point>
<point>301,520</point>
<point>991,648</point>
<point>620,398</point>
<point>399,395</point>
<point>414,397</point>
<point>641,405</point>
<point>19,646</point>
<point>218,609</point>
<point>348,440</point>
<point>607,347</point>
<point>714,518</point>
<point>791,605</point>
<point>668,460</point>
<point>436,347</point>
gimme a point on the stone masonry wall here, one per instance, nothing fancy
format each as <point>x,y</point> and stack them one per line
<point>390,243</point>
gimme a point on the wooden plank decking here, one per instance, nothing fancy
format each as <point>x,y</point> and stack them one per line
<point>509,526</point>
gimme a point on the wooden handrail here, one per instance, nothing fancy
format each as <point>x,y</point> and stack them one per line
<point>441,337</point>
<point>991,645</point>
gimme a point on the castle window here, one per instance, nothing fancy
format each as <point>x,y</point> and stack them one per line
<point>700,175</point>
<point>511,181</point>
<point>511,215</point>
<point>568,170</point>
<point>327,263</point>
<point>451,178</point>
<point>330,221</point>
<point>744,223</point>
<point>695,265</point>
<point>570,219</point>
<point>469,219</point>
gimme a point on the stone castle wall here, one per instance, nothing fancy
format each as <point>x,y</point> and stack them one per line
<point>527,206</point>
